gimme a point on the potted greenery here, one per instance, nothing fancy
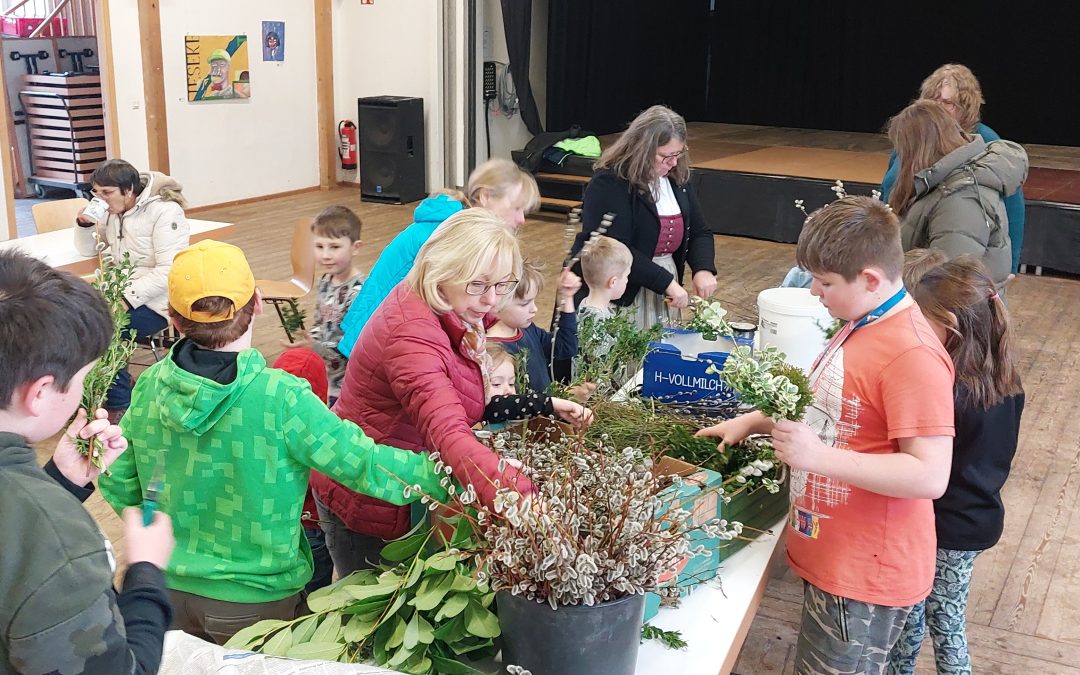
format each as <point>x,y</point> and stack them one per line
<point>570,563</point>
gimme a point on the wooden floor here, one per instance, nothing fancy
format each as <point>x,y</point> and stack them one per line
<point>1024,615</point>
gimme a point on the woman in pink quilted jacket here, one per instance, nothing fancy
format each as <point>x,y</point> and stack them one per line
<point>416,377</point>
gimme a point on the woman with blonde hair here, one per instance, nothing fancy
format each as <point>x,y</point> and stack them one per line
<point>949,187</point>
<point>497,184</point>
<point>956,88</point>
<point>644,179</point>
<point>416,379</point>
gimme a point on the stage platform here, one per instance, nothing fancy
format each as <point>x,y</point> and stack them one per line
<point>748,178</point>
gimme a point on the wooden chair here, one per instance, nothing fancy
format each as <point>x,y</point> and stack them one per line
<point>284,294</point>
<point>57,215</point>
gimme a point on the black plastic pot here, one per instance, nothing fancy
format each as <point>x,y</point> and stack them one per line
<point>576,640</point>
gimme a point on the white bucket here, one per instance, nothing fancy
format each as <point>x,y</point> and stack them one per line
<point>789,320</point>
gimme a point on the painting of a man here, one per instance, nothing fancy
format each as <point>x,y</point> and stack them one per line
<point>217,67</point>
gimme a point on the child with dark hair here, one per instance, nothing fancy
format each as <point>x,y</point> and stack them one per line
<point>873,452</point>
<point>145,223</point>
<point>58,608</point>
<point>959,300</point>
<point>235,442</point>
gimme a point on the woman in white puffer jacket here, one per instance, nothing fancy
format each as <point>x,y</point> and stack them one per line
<point>145,221</point>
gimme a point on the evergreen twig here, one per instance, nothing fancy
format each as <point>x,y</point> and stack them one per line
<point>111,280</point>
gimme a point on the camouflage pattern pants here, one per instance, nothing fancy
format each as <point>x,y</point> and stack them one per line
<point>945,614</point>
<point>839,635</point>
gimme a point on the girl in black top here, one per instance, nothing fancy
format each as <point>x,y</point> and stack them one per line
<point>962,306</point>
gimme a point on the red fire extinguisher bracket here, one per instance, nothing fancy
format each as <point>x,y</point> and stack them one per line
<point>347,150</point>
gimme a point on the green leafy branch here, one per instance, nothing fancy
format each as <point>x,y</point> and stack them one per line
<point>418,616</point>
<point>111,280</point>
<point>610,350</point>
<point>707,318</point>
<point>292,318</point>
<point>766,382</point>
<point>672,639</point>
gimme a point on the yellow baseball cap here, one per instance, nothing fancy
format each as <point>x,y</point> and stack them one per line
<point>207,269</point>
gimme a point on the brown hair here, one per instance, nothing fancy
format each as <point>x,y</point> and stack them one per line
<point>850,235</point>
<point>633,156</point>
<point>922,133</point>
<point>336,222</point>
<point>219,333</point>
<point>603,258</point>
<point>969,97</point>
<point>917,262</point>
<point>531,280</point>
<point>959,294</point>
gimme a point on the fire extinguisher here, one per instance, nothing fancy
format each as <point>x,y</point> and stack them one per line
<point>347,144</point>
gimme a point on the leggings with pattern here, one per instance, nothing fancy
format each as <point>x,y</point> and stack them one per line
<point>945,613</point>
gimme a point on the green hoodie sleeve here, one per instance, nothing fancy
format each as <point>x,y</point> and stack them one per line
<point>121,486</point>
<point>338,448</point>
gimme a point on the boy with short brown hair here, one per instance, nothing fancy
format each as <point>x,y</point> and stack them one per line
<point>233,442</point>
<point>59,612</point>
<point>874,451</point>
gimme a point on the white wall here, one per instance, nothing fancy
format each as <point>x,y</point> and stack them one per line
<point>128,76</point>
<point>237,149</point>
<point>393,48</point>
<point>511,134</point>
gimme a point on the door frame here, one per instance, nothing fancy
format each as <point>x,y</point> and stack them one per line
<point>108,101</point>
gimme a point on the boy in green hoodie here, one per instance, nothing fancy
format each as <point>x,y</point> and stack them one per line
<point>232,443</point>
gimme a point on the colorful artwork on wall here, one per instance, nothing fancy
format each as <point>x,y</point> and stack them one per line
<point>217,67</point>
<point>273,40</point>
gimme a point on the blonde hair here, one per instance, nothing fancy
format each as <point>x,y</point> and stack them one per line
<point>602,259</point>
<point>496,177</point>
<point>969,97</point>
<point>633,156</point>
<point>922,134</point>
<point>531,280</point>
<point>467,244</point>
<point>919,261</point>
<point>456,195</point>
<point>498,355</point>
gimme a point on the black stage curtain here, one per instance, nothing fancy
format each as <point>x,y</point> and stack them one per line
<point>517,26</point>
<point>609,59</point>
<point>832,64</point>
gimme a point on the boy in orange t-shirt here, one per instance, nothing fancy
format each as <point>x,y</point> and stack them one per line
<point>874,450</point>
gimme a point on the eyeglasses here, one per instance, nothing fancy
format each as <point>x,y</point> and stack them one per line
<point>501,287</point>
<point>673,156</point>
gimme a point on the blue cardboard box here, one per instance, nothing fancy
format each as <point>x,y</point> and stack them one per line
<point>675,369</point>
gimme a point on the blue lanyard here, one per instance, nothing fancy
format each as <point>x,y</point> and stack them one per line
<point>881,309</point>
<point>850,328</point>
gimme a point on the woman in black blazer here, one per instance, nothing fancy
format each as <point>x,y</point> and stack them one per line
<point>643,178</point>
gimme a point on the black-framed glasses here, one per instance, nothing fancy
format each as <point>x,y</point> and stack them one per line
<point>501,287</point>
<point>673,156</point>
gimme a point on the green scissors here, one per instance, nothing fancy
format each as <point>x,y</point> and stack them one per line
<point>154,489</point>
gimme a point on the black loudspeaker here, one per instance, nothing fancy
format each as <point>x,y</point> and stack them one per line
<point>392,158</point>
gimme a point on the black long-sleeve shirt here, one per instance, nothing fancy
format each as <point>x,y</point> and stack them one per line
<point>58,609</point>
